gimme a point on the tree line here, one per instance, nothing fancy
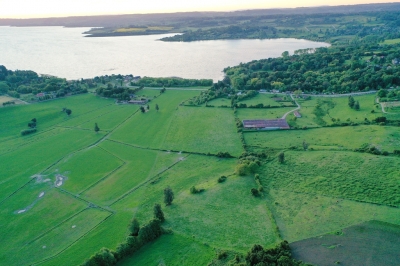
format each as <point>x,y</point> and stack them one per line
<point>172,82</point>
<point>338,69</point>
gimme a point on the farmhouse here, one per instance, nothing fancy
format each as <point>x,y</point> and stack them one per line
<point>271,124</point>
<point>137,101</point>
<point>297,114</point>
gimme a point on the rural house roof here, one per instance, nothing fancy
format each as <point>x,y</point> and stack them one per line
<point>268,124</point>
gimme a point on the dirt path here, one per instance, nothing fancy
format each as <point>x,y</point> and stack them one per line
<point>382,106</point>
<point>298,108</point>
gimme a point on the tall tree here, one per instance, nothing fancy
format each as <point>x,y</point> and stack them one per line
<point>158,213</point>
<point>96,128</point>
<point>134,227</point>
<point>357,105</point>
<point>68,111</point>
<point>351,101</point>
<point>142,109</point>
<point>168,196</point>
<point>281,157</point>
<point>157,108</point>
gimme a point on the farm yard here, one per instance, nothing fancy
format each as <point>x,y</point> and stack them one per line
<point>68,191</point>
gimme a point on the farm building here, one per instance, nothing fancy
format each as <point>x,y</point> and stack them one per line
<point>272,124</point>
<point>297,114</point>
<point>137,101</point>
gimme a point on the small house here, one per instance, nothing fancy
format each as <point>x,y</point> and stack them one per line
<point>297,114</point>
<point>140,102</point>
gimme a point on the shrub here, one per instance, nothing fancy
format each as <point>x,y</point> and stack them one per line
<point>281,157</point>
<point>380,119</point>
<point>134,227</point>
<point>385,153</point>
<point>222,179</point>
<point>241,169</point>
<point>103,257</point>
<point>194,190</point>
<point>222,255</point>
<point>28,131</point>
<point>255,192</point>
<point>168,196</point>
<point>224,155</point>
<point>158,213</point>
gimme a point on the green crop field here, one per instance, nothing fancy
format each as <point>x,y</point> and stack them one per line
<point>68,191</point>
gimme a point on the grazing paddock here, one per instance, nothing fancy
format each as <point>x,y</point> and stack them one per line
<point>67,191</point>
<point>304,215</point>
<point>349,175</point>
<point>369,243</point>
<point>335,138</point>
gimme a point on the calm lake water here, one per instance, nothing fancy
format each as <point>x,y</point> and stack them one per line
<point>64,52</point>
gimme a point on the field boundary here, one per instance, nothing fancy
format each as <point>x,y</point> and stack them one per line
<point>67,247</point>
<point>101,179</point>
<point>146,182</point>
<point>59,224</point>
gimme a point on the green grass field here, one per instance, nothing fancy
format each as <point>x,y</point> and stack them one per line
<point>120,172</point>
<point>349,175</point>
<point>335,138</point>
<point>266,99</point>
<point>264,113</point>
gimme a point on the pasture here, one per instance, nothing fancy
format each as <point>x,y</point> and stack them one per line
<point>67,191</point>
<point>369,243</point>
<point>268,99</point>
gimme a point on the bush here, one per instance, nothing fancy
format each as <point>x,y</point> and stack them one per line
<point>281,157</point>
<point>255,192</point>
<point>103,257</point>
<point>28,131</point>
<point>224,155</point>
<point>380,119</point>
<point>222,255</point>
<point>194,190</point>
<point>222,179</point>
<point>385,153</point>
<point>241,169</point>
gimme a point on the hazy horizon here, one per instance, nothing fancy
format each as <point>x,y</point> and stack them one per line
<point>23,9</point>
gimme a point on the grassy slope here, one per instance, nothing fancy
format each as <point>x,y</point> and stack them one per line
<point>265,99</point>
<point>387,138</point>
<point>203,130</point>
<point>148,130</point>
<point>301,193</point>
<point>19,165</point>
<point>265,113</point>
<point>173,249</point>
<point>42,214</point>
<point>213,221</point>
<point>357,176</point>
<point>85,168</point>
<point>301,215</point>
<point>15,118</point>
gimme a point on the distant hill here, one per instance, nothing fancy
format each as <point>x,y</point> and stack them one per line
<point>168,18</point>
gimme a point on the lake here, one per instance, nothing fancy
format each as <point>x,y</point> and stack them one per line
<point>64,52</point>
